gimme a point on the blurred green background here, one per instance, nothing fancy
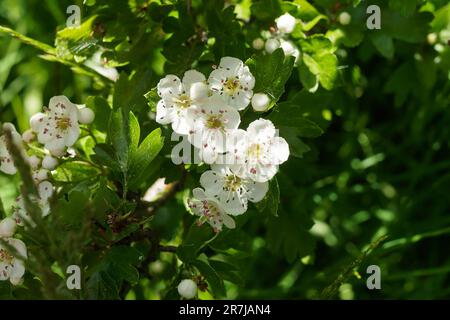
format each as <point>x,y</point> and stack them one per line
<point>381,168</point>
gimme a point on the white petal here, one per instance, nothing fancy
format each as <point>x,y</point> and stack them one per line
<point>212,182</point>
<point>7,227</point>
<point>5,270</point>
<point>45,190</point>
<point>233,203</point>
<point>257,191</point>
<point>72,135</point>
<point>231,64</point>
<point>36,121</point>
<point>18,270</point>
<point>261,173</point>
<point>60,104</point>
<point>169,85</point>
<point>208,154</point>
<point>55,144</point>
<point>180,124</point>
<point>199,194</point>
<point>279,150</point>
<point>164,113</point>
<point>261,130</point>
<point>190,77</point>
<point>228,221</point>
<point>19,246</point>
<point>198,91</point>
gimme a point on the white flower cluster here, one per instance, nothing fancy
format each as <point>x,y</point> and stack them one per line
<point>279,37</point>
<point>11,266</point>
<point>242,161</point>
<point>56,129</point>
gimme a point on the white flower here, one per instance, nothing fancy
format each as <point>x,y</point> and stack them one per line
<point>286,23</point>
<point>260,151</point>
<point>49,163</point>
<point>45,191</point>
<point>290,49</point>
<point>6,161</point>
<point>40,175</point>
<point>85,115</point>
<point>98,64</point>
<point>231,189</point>
<point>34,161</point>
<point>156,190</point>
<point>233,81</point>
<point>59,128</point>
<point>345,18</point>
<point>178,96</point>
<point>209,126</point>
<point>209,210</point>
<point>260,102</point>
<point>7,227</point>
<point>272,45</point>
<point>258,44</point>
<point>187,288</point>
<point>28,136</point>
<point>11,267</point>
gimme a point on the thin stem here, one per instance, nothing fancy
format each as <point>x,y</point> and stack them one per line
<point>50,55</point>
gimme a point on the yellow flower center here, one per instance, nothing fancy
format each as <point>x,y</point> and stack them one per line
<point>63,123</point>
<point>183,101</point>
<point>231,86</point>
<point>232,183</point>
<point>214,122</point>
<point>5,256</point>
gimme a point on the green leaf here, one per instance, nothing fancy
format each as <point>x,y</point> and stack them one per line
<point>211,275</point>
<point>75,171</point>
<point>101,286</point>
<point>152,98</point>
<point>271,72</point>
<point>144,155</point>
<point>119,135</point>
<point>227,271</point>
<point>384,44</point>
<point>296,146</point>
<point>271,200</point>
<point>102,112</point>
<point>286,115</point>
<point>195,239</point>
<point>294,241</point>
<point>318,56</point>
<point>406,8</point>
<point>129,91</point>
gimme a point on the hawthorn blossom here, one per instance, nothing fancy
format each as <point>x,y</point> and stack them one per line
<point>59,128</point>
<point>6,161</point>
<point>209,210</point>
<point>233,81</point>
<point>177,96</point>
<point>259,151</point>
<point>45,191</point>
<point>12,267</point>
<point>231,189</point>
<point>187,288</point>
<point>209,126</point>
<point>285,23</point>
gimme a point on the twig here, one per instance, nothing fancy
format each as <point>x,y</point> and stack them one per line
<point>330,291</point>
